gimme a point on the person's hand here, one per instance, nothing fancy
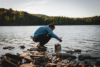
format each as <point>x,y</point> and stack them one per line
<point>60,40</point>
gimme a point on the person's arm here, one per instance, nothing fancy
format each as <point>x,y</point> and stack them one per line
<point>60,40</point>
<point>51,33</point>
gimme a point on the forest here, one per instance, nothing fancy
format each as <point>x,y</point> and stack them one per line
<point>10,17</point>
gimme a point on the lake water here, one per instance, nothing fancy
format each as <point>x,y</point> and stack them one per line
<point>84,37</point>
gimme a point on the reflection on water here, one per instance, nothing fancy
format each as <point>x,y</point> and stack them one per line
<point>84,37</point>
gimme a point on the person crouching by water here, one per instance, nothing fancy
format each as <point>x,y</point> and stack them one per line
<point>43,34</point>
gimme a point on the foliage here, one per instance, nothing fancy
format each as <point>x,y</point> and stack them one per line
<point>11,17</point>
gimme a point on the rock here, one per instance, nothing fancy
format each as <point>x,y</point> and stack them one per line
<point>8,47</point>
<point>97,63</point>
<point>96,66</point>
<point>33,49</point>
<point>81,58</point>
<point>12,56</point>
<point>7,63</point>
<point>72,65</point>
<point>22,47</point>
<point>57,47</point>
<point>29,65</point>
<point>38,59</point>
<point>77,50</point>
<point>28,59</point>
<point>56,60</point>
<point>23,55</point>
<point>37,49</point>
<point>71,52</point>
<point>84,56</point>
<point>51,65</point>
<point>69,58</point>
<point>42,64</point>
<point>26,51</point>
<point>0,62</point>
<point>68,61</point>
<point>48,59</point>
<point>88,50</point>
<point>61,65</point>
<point>81,65</point>
<point>67,47</point>
<point>65,56</point>
<point>87,64</point>
<point>41,56</point>
<point>68,65</point>
<point>75,64</point>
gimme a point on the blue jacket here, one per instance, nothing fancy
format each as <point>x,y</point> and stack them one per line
<point>44,30</point>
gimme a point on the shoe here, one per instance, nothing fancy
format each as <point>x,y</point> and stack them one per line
<point>41,47</point>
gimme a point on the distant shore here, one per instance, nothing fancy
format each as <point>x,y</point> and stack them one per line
<point>10,17</point>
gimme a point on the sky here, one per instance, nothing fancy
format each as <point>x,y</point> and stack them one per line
<point>66,8</point>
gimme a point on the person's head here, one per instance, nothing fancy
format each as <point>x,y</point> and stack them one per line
<point>52,27</point>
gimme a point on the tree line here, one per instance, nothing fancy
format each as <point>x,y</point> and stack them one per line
<point>10,17</point>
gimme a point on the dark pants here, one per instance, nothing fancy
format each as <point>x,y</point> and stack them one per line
<point>43,39</point>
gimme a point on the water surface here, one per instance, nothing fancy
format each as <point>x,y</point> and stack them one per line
<point>84,37</point>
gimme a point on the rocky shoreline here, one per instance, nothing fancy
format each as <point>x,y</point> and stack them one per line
<point>36,57</point>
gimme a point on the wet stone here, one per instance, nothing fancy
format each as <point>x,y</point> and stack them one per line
<point>29,65</point>
<point>37,49</point>
<point>84,56</point>
<point>77,50</point>
<point>68,61</point>
<point>81,65</point>
<point>7,63</point>
<point>26,51</point>
<point>81,58</point>
<point>76,64</point>
<point>24,55</point>
<point>56,60</point>
<point>8,47</point>
<point>22,47</point>
<point>38,59</point>
<point>0,62</point>
<point>97,63</point>
<point>51,65</point>
<point>33,49</point>
<point>28,59</point>
<point>65,56</point>
<point>71,52</point>
<point>12,56</point>
<point>87,64</point>
<point>96,66</point>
